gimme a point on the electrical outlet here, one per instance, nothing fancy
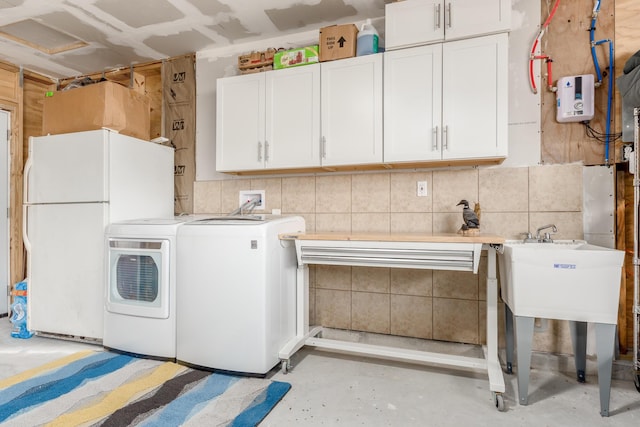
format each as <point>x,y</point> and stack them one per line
<point>248,195</point>
<point>422,189</point>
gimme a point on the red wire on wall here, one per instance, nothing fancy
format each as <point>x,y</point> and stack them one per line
<point>546,58</point>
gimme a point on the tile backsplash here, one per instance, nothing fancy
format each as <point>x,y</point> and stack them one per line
<point>441,305</point>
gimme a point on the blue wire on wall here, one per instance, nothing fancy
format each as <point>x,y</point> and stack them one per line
<point>594,17</point>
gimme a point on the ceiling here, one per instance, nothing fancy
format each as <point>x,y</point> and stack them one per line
<point>70,38</point>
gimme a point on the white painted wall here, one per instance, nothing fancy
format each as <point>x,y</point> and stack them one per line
<point>524,106</point>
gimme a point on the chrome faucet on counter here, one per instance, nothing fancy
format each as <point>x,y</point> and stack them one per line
<point>546,238</point>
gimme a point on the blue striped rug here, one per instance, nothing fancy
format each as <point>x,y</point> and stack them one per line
<point>109,389</point>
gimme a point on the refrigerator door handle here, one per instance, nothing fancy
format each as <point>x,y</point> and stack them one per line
<point>25,201</point>
<point>25,229</point>
<point>25,176</point>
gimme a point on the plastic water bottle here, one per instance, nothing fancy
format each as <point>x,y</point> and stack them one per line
<point>367,41</point>
<point>19,312</point>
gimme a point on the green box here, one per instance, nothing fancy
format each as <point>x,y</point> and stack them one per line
<point>295,57</point>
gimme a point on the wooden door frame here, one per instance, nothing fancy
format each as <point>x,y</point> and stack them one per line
<point>16,249</point>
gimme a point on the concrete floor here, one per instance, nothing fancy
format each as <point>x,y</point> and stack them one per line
<point>333,389</point>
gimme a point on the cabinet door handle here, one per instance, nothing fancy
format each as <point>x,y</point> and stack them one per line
<point>259,151</point>
<point>266,151</point>
<point>434,145</point>
<point>448,22</point>
<point>437,15</point>
<point>323,147</point>
<point>445,138</point>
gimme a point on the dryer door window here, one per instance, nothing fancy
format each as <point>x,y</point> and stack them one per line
<point>138,278</point>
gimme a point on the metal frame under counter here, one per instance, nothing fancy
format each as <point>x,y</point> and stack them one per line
<point>395,250</point>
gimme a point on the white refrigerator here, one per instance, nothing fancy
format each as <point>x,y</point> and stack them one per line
<point>75,185</point>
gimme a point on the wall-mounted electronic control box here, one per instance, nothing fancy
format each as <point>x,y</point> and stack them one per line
<point>574,98</point>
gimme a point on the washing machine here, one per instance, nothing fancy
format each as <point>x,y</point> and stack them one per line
<point>236,299</point>
<point>140,289</point>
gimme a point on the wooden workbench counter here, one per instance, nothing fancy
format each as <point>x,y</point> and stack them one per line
<point>453,251</point>
<point>398,237</point>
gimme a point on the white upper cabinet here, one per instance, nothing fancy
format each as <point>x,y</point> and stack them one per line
<point>446,101</point>
<point>413,104</point>
<point>429,101</point>
<point>293,117</point>
<point>475,97</point>
<point>413,22</point>
<point>351,111</point>
<point>467,18</point>
<point>416,22</point>
<point>269,120</point>
<point>240,123</point>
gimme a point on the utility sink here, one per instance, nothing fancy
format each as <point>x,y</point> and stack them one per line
<point>566,279</point>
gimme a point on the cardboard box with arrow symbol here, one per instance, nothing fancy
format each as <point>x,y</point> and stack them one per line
<point>338,42</point>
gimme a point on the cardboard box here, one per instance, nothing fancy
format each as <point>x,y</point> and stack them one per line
<point>96,106</point>
<point>295,57</point>
<point>338,42</point>
<point>256,59</point>
<point>256,70</point>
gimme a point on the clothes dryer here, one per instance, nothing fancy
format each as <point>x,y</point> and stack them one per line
<point>140,288</point>
<point>236,299</point>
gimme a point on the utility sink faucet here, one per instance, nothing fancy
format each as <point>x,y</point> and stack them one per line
<point>547,236</point>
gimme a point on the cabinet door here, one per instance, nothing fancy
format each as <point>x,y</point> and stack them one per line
<point>293,117</point>
<point>412,104</point>
<point>351,111</point>
<point>465,18</point>
<point>413,22</point>
<point>416,22</point>
<point>240,123</point>
<point>474,102</point>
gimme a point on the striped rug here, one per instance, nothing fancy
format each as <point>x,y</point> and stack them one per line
<point>109,389</point>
